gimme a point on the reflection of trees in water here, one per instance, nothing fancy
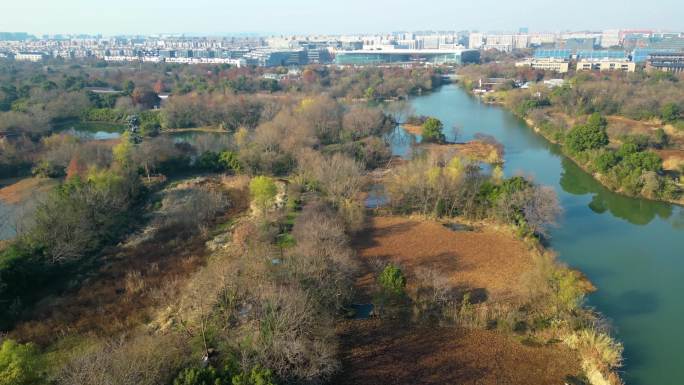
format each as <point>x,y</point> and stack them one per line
<point>677,220</point>
<point>399,110</point>
<point>14,218</point>
<point>635,211</point>
<point>401,141</point>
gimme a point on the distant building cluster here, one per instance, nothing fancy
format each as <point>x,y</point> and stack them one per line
<point>609,50</point>
<point>428,47</point>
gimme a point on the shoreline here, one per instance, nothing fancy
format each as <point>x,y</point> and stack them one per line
<point>530,255</point>
<point>597,177</point>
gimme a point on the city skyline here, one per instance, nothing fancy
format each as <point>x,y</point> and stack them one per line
<point>266,17</point>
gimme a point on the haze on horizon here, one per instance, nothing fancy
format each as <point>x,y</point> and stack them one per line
<point>215,17</point>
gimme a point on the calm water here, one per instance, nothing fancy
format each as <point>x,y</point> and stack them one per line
<point>92,130</point>
<point>631,249</point>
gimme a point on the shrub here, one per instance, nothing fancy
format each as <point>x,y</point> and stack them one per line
<point>229,161</point>
<point>432,131</point>
<point>567,288</point>
<point>201,376</point>
<point>670,112</point>
<point>257,376</point>
<point>392,280</point>
<point>19,364</point>
<point>597,348</point>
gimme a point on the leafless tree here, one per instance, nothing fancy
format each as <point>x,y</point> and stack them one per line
<point>541,208</point>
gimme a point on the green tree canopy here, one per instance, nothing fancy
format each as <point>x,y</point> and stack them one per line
<point>432,131</point>
<point>591,135</point>
<point>263,190</point>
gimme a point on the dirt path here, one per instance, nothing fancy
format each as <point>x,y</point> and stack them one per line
<point>394,351</point>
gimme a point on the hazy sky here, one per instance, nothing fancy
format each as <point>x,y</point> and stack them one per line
<point>341,16</point>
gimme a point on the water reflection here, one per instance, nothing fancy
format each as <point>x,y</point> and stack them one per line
<point>636,211</point>
<point>91,130</point>
<point>401,142</point>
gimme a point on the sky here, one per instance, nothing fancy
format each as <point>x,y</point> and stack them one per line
<point>221,17</point>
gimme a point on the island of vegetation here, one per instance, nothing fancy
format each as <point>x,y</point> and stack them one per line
<point>246,253</point>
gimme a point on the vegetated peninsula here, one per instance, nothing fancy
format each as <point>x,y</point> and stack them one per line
<point>626,129</point>
<point>224,236</point>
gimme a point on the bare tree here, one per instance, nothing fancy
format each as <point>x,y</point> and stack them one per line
<point>541,208</point>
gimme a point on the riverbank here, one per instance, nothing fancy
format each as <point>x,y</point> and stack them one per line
<point>483,338</point>
<point>585,166</point>
<point>628,247</point>
<point>551,136</point>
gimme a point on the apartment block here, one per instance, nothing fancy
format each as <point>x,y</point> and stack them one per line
<point>547,64</point>
<point>606,65</point>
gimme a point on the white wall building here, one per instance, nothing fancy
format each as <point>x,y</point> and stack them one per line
<point>29,56</point>
<point>610,38</point>
<point>476,40</point>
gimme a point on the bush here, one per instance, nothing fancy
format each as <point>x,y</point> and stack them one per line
<point>219,161</point>
<point>46,169</point>
<point>392,280</point>
<point>432,131</point>
<point>670,112</point>
<point>19,364</point>
<point>201,376</point>
<point>257,376</point>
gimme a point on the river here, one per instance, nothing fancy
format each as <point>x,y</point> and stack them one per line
<point>631,249</point>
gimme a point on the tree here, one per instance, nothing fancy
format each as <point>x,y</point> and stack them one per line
<point>432,131</point>
<point>19,364</point>
<point>588,136</point>
<point>145,97</point>
<point>123,151</point>
<point>128,87</point>
<point>159,87</point>
<point>76,168</point>
<point>263,191</point>
<point>605,160</point>
<point>670,112</point>
<point>597,121</point>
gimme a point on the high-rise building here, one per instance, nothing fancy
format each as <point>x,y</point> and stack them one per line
<point>476,40</point>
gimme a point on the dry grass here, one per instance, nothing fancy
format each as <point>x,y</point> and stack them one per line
<point>620,125</point>
<point>673,160</point>
<point>397,351</point>
<point>475,150</point>
<point>487,259</point>
<point>386,352</point>
<point>25,188</point>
